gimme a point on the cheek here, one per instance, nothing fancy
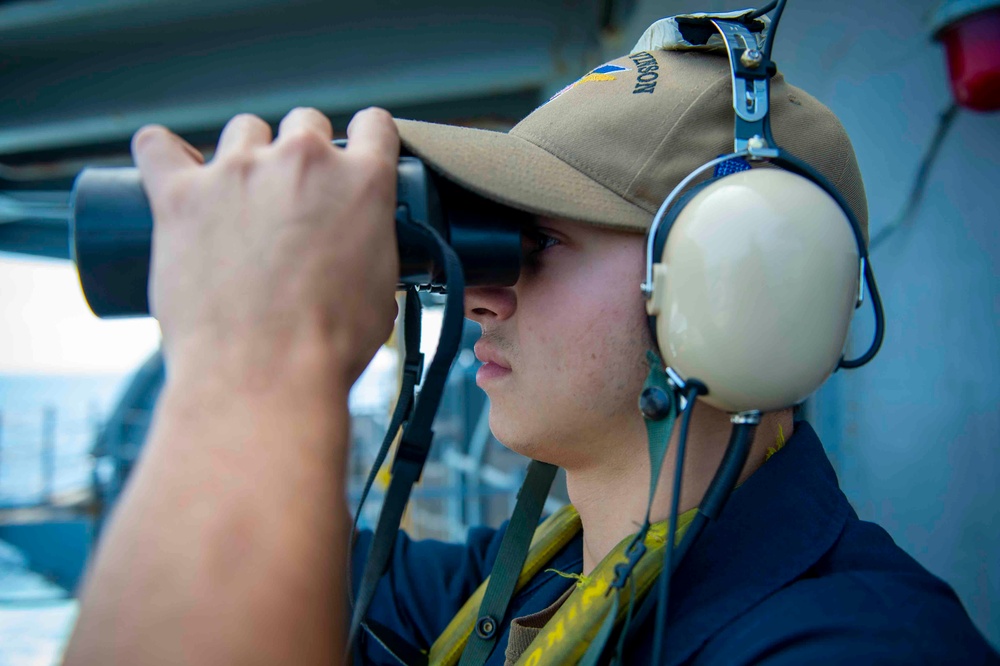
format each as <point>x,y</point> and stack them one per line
<point>615,368</point>
<point>618,334</point>
<point>592,334</point>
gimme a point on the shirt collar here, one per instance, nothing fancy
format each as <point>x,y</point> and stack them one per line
<point>775,526</point>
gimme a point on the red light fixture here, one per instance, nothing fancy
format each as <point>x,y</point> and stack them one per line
<point>970,31</point>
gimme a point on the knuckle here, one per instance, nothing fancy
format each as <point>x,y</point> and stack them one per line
<point>246,119</point>
<point>172,199</point>
<point>306,112</point>
<point>243,125</point>
<point>304,143</point>
<point>299,140</point>
<point>379,114</point>
<point>149,135</point>
<point>240,164</point>
<point>378,171</point>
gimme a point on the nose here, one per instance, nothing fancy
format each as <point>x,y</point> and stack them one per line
<point>489,304</point>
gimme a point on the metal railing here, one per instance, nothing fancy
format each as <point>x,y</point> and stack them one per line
<point>45,460</point>
<point>54,461</point>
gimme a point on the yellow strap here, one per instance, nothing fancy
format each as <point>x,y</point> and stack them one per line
<point>550,537</point>
<point>567,634</point>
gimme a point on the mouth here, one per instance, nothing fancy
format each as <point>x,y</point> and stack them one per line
<point>494,366</point>
<point>489,355</point>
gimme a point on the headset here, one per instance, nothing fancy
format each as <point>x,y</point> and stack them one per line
<point>751,281</point>
<point>746,292</point>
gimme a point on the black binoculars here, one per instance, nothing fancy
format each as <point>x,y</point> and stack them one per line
<point>112,227</point>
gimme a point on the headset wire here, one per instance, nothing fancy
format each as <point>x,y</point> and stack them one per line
<point>692,390</point>
<point>763,10</point>
<point>769,42</point>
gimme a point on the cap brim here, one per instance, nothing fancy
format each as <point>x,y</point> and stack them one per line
<point>517,173</point>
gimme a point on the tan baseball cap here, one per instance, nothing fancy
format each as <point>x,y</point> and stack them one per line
<point>609,148</point>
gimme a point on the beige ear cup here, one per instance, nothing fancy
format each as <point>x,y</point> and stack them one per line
<point>755,289</point>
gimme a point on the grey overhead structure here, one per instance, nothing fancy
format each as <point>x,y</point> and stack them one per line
<point>79,79</point>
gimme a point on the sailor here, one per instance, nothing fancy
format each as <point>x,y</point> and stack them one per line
<point>273,278</point>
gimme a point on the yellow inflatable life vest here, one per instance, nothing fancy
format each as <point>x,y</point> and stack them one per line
<point>566,636</point>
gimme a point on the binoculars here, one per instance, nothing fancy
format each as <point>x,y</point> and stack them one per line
<point>112,228</point>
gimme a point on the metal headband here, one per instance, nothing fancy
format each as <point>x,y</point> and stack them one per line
<point>751,88</point>
<point>752,133</point>
<point>647,285</point>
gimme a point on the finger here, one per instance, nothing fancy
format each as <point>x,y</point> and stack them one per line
<point>304,119</point>
<point>241,133</point>
<point>372,130</point>
<point>157,152</point>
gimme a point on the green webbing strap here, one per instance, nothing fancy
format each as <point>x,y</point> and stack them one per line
<point>658,429</point>
<point>413,369</point>
<point>397,646</point>
<point>509,562</point>
<point>415,443</point>
<point>658,404</point>
<point>405,474</point>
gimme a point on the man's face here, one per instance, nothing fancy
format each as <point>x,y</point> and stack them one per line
<point>564,348</point>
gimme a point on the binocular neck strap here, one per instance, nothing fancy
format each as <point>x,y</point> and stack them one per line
<point>413,368</point>
<point>414,445</point>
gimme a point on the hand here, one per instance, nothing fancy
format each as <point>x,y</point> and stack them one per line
<point>275,255</point>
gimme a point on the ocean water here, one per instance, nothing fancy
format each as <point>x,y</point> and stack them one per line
<point>47,426</point>
<point>36,616</point>
<point>76,394</point>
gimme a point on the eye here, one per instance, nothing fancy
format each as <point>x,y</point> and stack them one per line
<point>535,241</point>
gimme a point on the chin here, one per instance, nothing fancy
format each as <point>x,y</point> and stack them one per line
<point>512,433</point>
<point>520,437</point>
<point>505,432</point>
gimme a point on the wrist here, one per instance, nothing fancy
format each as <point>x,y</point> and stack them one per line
<point>261,364</point>
<point>298,400</point>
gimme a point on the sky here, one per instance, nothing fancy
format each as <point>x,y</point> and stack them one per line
<point>47,327</point>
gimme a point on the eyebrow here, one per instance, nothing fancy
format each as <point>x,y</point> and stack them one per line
<point>530,224</point>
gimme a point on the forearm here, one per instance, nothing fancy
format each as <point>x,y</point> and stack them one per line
<point>230,544</point>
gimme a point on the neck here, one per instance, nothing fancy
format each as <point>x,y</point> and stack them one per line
<point>611,493</point>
